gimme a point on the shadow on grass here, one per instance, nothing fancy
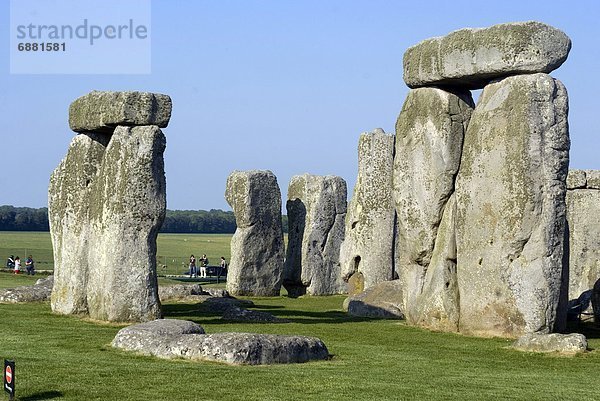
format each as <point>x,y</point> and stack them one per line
<point>44,395</point>
<point>202,311</point>
<point>588,329</point>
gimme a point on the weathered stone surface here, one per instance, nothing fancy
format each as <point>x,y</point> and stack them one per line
<point>564,343</point>
<point>257,248</point>
<point>316,210</point>
<point>70,192</point>
<point>186,340</point>
<point>583,236</point>
<point>127,209</point>
<point>576,179</point>
<point>39,292</point>
<point>356,284</point>
<point>470,58</point>
<point>220,304</point>
<point>103,111</point>
<point>510,193</point>
<point>179,291</point>
<point>437,306</point>
<point>369,231</point>
<point>592,179</point>
<point>429,137</point>
<point>238,314</point>
<point>382,300</point>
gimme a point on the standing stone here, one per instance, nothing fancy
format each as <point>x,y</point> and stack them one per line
<point>369,234</point>
<point>316,210</point>
<point>470,58</point>
<point>257,248</point>
<point>510,194</point>
<point>127,210</point>
<point>106,204</point>
<point>437,307</point>
<point>583,232</point>
<point>69,194</point>
<point>429,138</point>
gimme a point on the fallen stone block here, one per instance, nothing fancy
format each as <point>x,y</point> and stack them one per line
<point>564,343</point>
<point>182,339</point>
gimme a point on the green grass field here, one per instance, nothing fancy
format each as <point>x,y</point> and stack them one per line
<point>65,357</point>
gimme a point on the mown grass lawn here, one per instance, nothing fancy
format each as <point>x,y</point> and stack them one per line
<point>65,357</point>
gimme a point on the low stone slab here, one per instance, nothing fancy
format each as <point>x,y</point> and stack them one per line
<point>238,314</point>
<point>473,57</point>
<point>165,338</point>
<point>179,291</point>
<point>39,292</point>
<point>100,111</point>
<point>564,343</point>
<point>383,300</point>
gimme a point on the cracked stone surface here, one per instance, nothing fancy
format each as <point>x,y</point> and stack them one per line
<point>367,250</point>
<point>471,58</point>
<point>429,138</point>
<point>167,338</point>
<point>257,248</point>
<point>316,208</point>
<point>510,197</point>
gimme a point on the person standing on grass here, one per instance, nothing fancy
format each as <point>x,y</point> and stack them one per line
<point>30,266</point>
<point>203,266</point>
<point>17,265</point>
<point>223,268</point>
<point>193,268</point>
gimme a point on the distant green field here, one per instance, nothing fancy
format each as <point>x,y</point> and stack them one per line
<point>174,250</point>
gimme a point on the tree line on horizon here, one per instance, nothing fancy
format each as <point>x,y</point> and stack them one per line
<point>214,221</point>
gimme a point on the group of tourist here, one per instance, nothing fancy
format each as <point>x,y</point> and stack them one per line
<point>15,263</point>
<point>203,265</point>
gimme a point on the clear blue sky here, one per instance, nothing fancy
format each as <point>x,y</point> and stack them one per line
<point>280,85</point>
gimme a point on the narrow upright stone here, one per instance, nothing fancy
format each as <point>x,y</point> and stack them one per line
<point>367,250</point>
<point>103,111</point>
<point>69,196</point>
<point>316,209</point>
<point>510,194</point>
<point>429,137</point>
<point>470,58</point>
<point>257,248</point>
<point>583,233</point>
<point>127,210</point>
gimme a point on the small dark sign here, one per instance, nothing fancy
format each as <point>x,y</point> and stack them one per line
<point>9,378</point>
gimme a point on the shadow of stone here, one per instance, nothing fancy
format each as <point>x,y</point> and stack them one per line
<point>44,395</point>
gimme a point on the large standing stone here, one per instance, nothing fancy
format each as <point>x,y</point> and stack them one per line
<point>429,138</point>
<point>107,201</point>
<point>510,194</point>
<point>471,58</point>
<point>127,210</point>
<point>257,248</point>
<point>367,249</point>
<point>104,111</point>
<point>316,209</point>
<point>583,228</point>
<point>70,192</point>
